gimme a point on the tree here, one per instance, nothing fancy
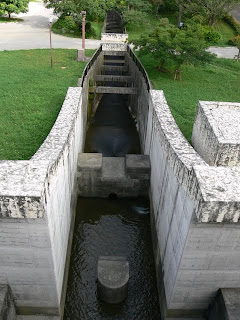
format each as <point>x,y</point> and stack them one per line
<point>211,9</point>
<point>96,9</point>
<point>13,6</point>
<point>188,46</point>
<point>168,44</point>
<point>158,43</point>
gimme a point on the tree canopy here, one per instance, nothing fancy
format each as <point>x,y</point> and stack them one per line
<point>13,6</point>
<point>171,45</point>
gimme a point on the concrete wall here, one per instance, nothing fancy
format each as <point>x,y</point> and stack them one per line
<point>37,207</point>
<point>122,176</point>
<point>216,133</point>
<point>7,307</point>
<point>193,256</point>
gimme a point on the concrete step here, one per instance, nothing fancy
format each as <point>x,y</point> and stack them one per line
<point>38,318</point>
<point>117,90</point>
<point>114,78</point>
<point>114,53</point>
<point>114,68</point>
<point>122,61</point>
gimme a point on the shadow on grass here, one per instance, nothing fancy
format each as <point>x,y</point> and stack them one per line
<point>6,19</point>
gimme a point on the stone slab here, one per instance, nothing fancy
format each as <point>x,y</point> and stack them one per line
<point>90,161</point>
<point>138,163</point>
<point>113,168</point>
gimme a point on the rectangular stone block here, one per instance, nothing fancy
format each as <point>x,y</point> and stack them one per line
<point>89,162</point>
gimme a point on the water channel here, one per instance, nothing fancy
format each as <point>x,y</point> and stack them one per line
<point>115,227</point>
<point>112,227</point>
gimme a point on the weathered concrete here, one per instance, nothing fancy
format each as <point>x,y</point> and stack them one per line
<point>126,79</point>
<point>37,207</point>
<point>117,90</point>
<point>100,177</point>
<point>7,307</point>
<point>225,306</point>
<point>216,133</point>
<point>113,276</point>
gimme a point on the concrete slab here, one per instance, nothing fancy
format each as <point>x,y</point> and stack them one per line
<point>117,90</point>
<point>113,168</point>
<point>90,161</point>
<point>138,163</point>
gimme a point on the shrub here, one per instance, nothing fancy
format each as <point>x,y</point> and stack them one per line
<point>235,41</point>
<point>232,22</point>
<point>210,35</point>
<point>67,23</point>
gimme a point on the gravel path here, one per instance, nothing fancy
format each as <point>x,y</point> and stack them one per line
<point>33,32</point>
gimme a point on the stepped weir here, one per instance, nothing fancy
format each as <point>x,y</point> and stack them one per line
<point>194,193</point>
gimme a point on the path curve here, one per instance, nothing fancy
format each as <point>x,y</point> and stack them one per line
<point>33,32</point>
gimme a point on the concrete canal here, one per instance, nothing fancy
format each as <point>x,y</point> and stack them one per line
<point>112,227</point>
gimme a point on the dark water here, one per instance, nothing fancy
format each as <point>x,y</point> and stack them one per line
<point>111,227</point>
<point>112,130</point>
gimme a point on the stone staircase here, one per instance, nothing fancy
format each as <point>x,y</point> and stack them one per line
<point>114,77</point>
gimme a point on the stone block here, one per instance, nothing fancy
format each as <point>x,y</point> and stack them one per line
<point>226,305</point>
<point>90,162</point>
<point>113,168</point>
<point>113,276</point>
<point>216,133</point>
<point>137,163</point>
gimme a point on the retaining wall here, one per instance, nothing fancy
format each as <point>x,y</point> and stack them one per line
<point>37,207</point>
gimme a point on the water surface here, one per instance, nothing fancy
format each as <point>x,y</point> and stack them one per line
<point>111,227</point>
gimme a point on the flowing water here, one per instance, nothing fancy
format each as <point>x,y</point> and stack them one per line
<point>112,130</point>
<point>118,227</point>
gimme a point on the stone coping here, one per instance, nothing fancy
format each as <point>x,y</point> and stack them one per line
<point>224,119</point>
<point>214,190</point>
<point>22,183</point>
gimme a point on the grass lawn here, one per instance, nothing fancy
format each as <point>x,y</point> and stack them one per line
<point>218,81</point>
<point>31,97</point>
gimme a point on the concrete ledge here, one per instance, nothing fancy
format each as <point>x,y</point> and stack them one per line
<point>226,305</point>
<point>7,307</point>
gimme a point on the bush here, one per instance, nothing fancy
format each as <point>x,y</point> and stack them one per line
<point>67,23</point>
<point>235,41</point>
<point>232,22</point>
<point>210,35</point>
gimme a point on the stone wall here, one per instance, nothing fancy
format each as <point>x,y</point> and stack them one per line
<point>193,256</point>
<point>37,208</point>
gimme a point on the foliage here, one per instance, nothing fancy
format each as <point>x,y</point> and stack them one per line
<point>210,34</point>
<point>13,6</point>
<point>66,22</point>
<point>218,81</point>
<point>73,25</point>
<point>32,94</point>
<point>210,9</point>
<point>135,17</point>
<point>168,44</point>
<point>232,22</point>
<point>236,42</point>
<point>96,9</point>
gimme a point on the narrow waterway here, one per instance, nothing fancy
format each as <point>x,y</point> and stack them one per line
<point>112,130</point>
<point>112,227</point>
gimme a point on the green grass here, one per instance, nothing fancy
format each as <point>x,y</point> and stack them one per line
<point>226,31</point>
<point>6,19</point>
<point>31,97</point>
<point>218,81</point>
